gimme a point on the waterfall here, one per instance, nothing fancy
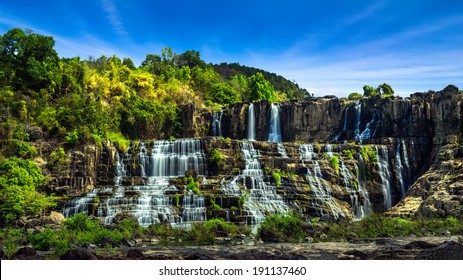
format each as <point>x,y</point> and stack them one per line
<point>275,129</point>
<point>366,134</point>
<point>406,162</point>
<point>329,150</point>
<point>173,158</point>
<point>251,123</point>
<point>151,200</point>
<point>142,157</point>
<point>259,196</point>
<point>399,169</point>
<point>194,209</point>
<point>217,124</point>
<point>382,160</point>
<point>358,119</point>
<point>348,179</point>
<point>336,138</point>
<point>365,209</point>
<point>322,192</point>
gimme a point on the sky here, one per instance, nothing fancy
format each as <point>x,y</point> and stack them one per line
<point>327,46</point>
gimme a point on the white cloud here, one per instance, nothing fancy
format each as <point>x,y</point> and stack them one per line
<point>113,18</point>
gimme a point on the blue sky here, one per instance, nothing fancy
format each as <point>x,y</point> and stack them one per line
<point>327,47</point>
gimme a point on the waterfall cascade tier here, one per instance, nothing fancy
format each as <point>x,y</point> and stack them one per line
<point>251,123</point>
<point>151,201</point>
<point>382,157</point>
<point>275,127</point>
<point>217,124</point>
<point>323,194</point>
<point>260,197</point>
<point>330,181</point>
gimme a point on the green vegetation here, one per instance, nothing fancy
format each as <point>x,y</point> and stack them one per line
<point>384,90</point>
<point>192,185</point>
<point>282,228</point>
<point>354,96</point>
<point>216,158</point>
<point>21,181</point>
<point>368,153</point>
<point>276,178</point>
<point>334,162</point>
<point>281,85</point>
<point>376,225</point>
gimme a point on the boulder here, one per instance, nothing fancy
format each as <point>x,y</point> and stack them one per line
<point>78,254</point>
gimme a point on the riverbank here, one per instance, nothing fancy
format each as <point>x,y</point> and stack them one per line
<point>405,248</point>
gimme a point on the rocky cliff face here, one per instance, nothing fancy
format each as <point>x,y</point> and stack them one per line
<point>339,159</point>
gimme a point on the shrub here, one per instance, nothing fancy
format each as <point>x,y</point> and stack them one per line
<point>216,158</point>
<point>282,228</point>
<point>334,161</point>
<point>20,181</point>
<point>276,178</point>
<point>191,185</point>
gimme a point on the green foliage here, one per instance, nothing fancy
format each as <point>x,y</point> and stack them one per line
<point>11,240</point>
<point>207,232</point>
<point>20,181</point>
<point>119,140</point>
<point>214,205</point>
<point>282,228</point>
<point>334,162</point>
<point>28,60</point>
<point>239,73</point>
<point>192,185</point>
<point>378,226</point>
<point>216,158</point>
<point>260,89</point>
<point>223,93</point>
<point>349,153</point>
<point>354,96</point>
<point>276,178</point>
<point>385,90</point>
<point>368,153</point>
<point>369,91</point>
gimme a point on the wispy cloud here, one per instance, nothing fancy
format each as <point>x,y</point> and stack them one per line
<point>114,19</point>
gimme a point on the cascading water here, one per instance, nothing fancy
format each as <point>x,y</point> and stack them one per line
<point>336,138</point>
<point>251,123</point>
<point>329,150</point>
<point>365,209</point>
<point>194,208</point>
<point>406,162</point>
<point>150,202</point>
<point>323,194</point>
<point>217,124</point>
<point>366,134</point>
<point>358,119</point>
<point>399,169</point>
<point>259,196</point>
<point>382,160</point>
<point>275,130</point>
<point>348,179</point>
<point>173,158</point>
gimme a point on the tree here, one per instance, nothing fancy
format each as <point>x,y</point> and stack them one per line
<point>385,90</point>
<point>354,95</point>
<point>29,60</point>
<point>223,93</point>
<point>19,181</point>
<point>369,91</point>
<point>191,59</point>
<point>260,88</point>
<point>129,63</point>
